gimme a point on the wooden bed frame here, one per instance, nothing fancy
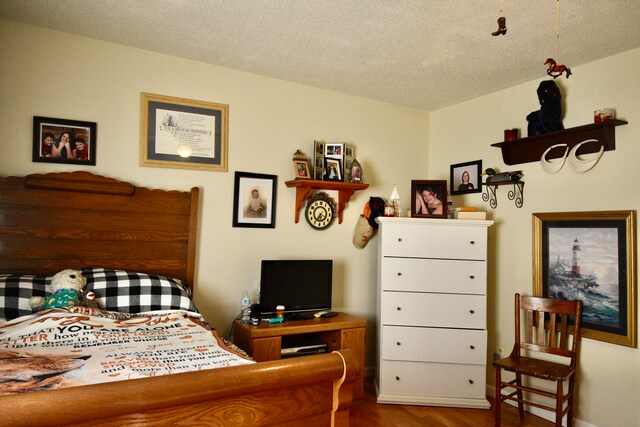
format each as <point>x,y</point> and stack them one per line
<point>50,222</point>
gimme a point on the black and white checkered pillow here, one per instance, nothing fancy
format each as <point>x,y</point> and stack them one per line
<point>15,292</point>
<point>116,290</point>
<point>131,292</point>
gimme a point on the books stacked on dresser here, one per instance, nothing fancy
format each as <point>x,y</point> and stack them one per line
<point>465,212</point>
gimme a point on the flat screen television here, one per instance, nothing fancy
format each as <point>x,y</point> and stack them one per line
<point>302,286</point>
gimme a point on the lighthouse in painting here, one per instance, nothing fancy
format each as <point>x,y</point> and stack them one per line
<point>575,262</point>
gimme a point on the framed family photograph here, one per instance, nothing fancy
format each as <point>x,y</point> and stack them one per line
<point>254,200</point>
<point>64,141</point>
<point>183,133</point>
<point>429,199</point>
<point>466,178</point>
<point>590,256</point>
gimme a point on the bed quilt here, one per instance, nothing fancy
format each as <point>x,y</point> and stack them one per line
<point>57,348</point>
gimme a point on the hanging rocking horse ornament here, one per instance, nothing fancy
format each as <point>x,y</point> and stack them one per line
<point>554,69</point>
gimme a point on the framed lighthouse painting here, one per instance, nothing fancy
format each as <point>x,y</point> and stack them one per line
<point>590,256</point>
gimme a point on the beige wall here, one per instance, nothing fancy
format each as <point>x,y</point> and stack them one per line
<point>610,374</point>
<point>52,74</point>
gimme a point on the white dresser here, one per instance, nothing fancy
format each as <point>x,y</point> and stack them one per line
<point>432,320</point>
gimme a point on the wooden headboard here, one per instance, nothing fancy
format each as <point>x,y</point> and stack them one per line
<point>49,222</point>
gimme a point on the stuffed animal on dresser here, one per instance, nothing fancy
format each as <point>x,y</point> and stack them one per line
<point>549,117</point>
<point>66,286</point>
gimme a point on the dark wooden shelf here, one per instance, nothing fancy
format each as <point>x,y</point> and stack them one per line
<point>530,149</point>
<point>304,186</point>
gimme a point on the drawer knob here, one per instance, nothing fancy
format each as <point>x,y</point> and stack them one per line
<point>473,242</point>
<point>472,277</point>
<point>470,381</point>
<point>472,347</point>
<point>399,273</point>
<point>398,343</point>
<point>399,308</point>
<point>399,239</point>
<point>472,311</point>
<point>397,378</point>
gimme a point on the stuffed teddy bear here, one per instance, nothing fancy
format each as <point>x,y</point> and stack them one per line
<point>548,117</point>
<point>66,286</point>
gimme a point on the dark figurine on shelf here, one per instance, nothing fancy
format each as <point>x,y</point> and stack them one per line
<point>556,70</point>
<point>549,117</point>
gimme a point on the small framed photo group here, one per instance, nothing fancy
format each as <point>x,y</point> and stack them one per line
<point>333,161</point>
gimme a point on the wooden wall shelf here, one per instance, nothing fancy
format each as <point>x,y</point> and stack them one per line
<point>530,149</point>
<point>304,186</point>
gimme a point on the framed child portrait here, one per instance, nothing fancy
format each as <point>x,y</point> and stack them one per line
<point>254,200</point>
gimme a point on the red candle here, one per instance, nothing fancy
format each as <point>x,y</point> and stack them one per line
<point>510,134</point>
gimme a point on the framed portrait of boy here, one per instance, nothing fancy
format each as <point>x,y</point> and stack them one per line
<point>429,199</point>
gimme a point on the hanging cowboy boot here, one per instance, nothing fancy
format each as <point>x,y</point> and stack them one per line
<point>502,26</point>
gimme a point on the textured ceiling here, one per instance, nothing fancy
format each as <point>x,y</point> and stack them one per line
<point>424,54</point>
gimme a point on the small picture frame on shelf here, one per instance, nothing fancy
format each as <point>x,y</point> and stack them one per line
<point>333,170</point>
<point>318,160</point>
<point>429,199</point>
<point>301,169</point>
<point>466,178</point>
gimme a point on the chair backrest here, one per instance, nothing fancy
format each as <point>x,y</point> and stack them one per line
<point>545,324</point>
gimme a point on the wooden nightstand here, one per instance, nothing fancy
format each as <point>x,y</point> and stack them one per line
<point>264,342</point>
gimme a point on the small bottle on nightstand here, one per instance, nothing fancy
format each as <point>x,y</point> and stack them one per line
<point>245,306</point>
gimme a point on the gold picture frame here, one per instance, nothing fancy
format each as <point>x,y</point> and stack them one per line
<point>590,256</point>
<point>183,133</point>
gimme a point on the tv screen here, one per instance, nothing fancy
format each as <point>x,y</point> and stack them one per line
<point>302,286</point>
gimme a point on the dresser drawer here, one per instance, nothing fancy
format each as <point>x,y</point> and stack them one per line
<point>434,345</point>
<point>434,275</point>
<point>435,241</point>
<point>432,379</point>
<point>439,310</point>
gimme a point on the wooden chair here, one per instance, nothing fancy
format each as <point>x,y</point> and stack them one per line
<point>550,335</point>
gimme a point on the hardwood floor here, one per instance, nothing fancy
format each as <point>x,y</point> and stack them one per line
<point>371,414</point>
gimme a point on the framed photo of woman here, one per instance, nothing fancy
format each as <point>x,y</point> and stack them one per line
<point>429,199</point>
<point>466,178</point>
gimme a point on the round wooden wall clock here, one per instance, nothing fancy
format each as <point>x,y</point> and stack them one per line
<point>320,211</point>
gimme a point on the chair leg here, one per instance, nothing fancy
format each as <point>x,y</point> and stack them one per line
<point>570,401</point>
<point>520,397</point>
<point>498,398</point>
<point>559,403</point>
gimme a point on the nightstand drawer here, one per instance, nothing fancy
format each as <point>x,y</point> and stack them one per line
<point>434,275</point>
<point>439,310</point>
<point>434,345</point>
